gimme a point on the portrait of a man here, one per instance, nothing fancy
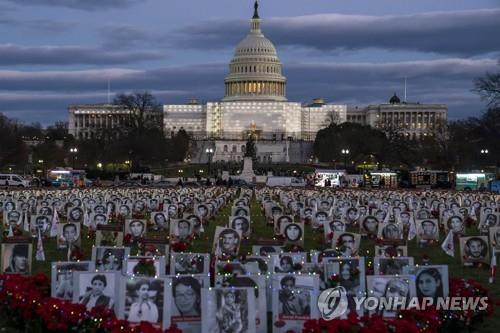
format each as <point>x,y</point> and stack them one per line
<point>95,289</point>
<point>227,241</point>
<point>68,235</point>
<point>241,224</point>
<point>474,249</point>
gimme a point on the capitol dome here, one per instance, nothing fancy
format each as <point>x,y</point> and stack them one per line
<point>255,70</point>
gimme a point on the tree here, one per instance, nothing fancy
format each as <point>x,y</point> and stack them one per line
<point>332,117</point>
<point>142,108</point>
<point>362,141</point>
<point>488,87</point>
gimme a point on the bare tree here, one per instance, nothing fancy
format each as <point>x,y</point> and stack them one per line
<point>488,87</point>
<point>144,111</point>
<point>331,118</point>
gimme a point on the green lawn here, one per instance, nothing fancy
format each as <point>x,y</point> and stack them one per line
<point>312,241</point>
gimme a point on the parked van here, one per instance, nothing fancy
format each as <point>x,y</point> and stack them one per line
<point>285,181</point>
<point>9,179</point>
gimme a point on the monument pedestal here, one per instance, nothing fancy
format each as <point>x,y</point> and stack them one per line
<point>247,173</point>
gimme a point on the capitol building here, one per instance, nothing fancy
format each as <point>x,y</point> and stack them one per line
<point>255,102</point>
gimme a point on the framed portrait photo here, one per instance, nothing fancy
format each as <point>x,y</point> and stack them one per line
<point>145,299</point>
<point>135,227</point>
<point>68,234</point>
<point>95,288</point>
<point>189,263</point>
<point>62,277</point>
<point>186,301</point>
<point>145,266</point>
<point>474,249</point>
<point>391,250</point>
<point>17,257</point>
<point>390,286</point>
<point>109,235</point>
<point>160,221</point>
<point>346,243</point>
<point>293,233</point>
<point>108,258</point>
<point>431,281</point>
<point>228,310</point>
<point>240,223</point>
<point>226,242</point>
<point>427,229</point>
<point>294,300</point>
<point>392,266</point>
<point>266,250</point>
<point>181,230</point>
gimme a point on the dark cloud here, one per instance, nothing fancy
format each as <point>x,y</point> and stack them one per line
<point>124,36</point>
<point>462,33</point>
<point>435,81</point>
<point>90,5</point>
<point>70,55</point>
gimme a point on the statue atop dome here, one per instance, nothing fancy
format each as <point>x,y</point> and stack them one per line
<point>256,10</point>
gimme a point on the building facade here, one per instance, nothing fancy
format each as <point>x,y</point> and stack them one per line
<point>255,103</point>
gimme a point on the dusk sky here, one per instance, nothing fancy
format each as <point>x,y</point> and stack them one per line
<point>357,52</point>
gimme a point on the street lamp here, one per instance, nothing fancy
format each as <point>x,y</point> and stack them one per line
<point>73,151</point>
<point>484,153</point>
<point>99,165</point>
<point>345,153</point>
<point>209,152</point>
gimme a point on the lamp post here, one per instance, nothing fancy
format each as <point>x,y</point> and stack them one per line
<point>345,153</point>
<point>209,152</point>
<point>484,154</point>
<point>73,151</point>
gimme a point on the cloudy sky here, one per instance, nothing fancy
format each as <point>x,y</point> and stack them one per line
<point>357,52</point>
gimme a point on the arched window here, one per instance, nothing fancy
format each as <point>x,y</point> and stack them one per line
<point>225,148</point>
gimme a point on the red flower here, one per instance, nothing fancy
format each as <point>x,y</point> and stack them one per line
<point>173,329</point>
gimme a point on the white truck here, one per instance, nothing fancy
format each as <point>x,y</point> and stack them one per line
<point>10,179</point>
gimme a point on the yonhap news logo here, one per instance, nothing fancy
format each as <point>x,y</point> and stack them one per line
<point>332,303</point>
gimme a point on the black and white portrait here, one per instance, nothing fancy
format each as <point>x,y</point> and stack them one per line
<point>109,235</point>
<point>186,296</point>
<point>98,218</point>
<point>75,215</point>
<point>62,277</point>
<point>241,224</point>
<point>494,234</point>
<point>279,220</point>
<point>266,250</point>
<point>391,250</point>
<point>145,299</point>
<point>293,233</point>
<point>240,211</point>
<point>427,229</point>
<point>40,223</point>
<point>288,262</point>
<point>16,258</point>
<point>294,299</point>
<point>68,235</point>
<point>159,221</point>
<point>390,231</point>
<point>189,263</point>
<point>456,224</point>
<point>431,281</point>
<point>391,266</point>
<point>226,241</point>
<point>145,266</point>
<point>369,225</point>
<point>181,230</point>
<point>400,287</point>
<point>346,243</point>
<point>229,310</point>
<point>109,258</point>
<point>92,289</point>
<point>136,228</point>
<point>474,249</point>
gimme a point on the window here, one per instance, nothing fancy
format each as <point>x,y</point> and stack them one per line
<point>234,149</point>
<point>243,148</point>
<point>225,148</point>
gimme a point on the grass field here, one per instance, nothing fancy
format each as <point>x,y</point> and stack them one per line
<point>312,241</point>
